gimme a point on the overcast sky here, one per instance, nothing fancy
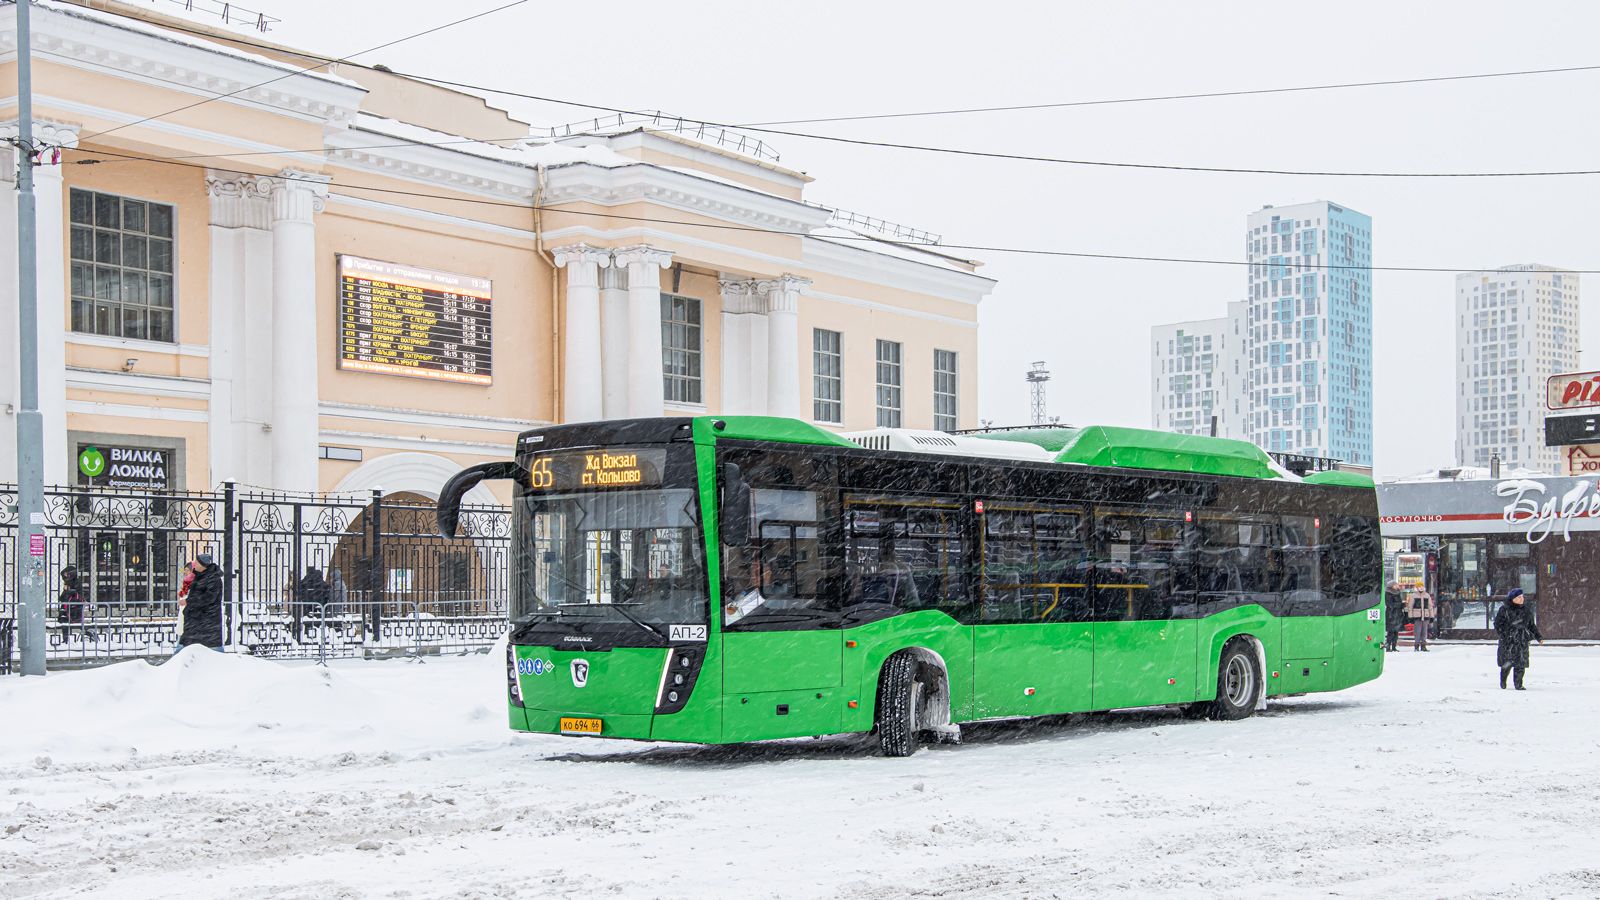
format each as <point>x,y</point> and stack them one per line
<point>1090,320</point>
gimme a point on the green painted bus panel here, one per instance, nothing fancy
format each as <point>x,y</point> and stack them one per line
<point>765,428</point>
<point>1139,448</point>
<point>781,714</point>
<point>1343,479</point>
<point>1307,637</point>
<point>623,681</point>
<point>927,629</point>
<point>1033,670</point>
<point>518,717</point>
<point>1303,676</point>
<point>1133,662</point>
<point>1359,639</point>
<point>631,727</point>
<point>762,661</point>
<point>1214,632</point>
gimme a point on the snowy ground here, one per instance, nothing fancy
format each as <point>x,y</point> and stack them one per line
<point>232,777</point>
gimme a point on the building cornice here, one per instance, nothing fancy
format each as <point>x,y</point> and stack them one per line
<point>412,417</point>
<point>863,264</point>
<point>646,183</point>
<point>371,151</point>
<point>98,44</point>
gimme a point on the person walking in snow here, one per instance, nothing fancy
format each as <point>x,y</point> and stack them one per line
<point>70,601</point>
<point>1394,615</point>
<point>1421,611</point>
<point>1515,625</point>
<point>314,597</point>
<point>202,609</point>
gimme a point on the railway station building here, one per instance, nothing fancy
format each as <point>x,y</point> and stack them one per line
<point>344,278</point>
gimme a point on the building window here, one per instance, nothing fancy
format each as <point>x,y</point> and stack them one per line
<point>944,390</point>
<point>680,348</point>
<point>827,376</point>
<point>121,251</point>
<point>889,405</point>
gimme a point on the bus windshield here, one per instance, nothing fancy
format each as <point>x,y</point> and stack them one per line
<point>614,555</point>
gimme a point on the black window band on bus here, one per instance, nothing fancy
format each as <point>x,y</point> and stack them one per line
<point>902,534</point>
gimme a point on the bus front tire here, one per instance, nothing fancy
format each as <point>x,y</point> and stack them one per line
<point>1239,683</point>
<point>900,696</point>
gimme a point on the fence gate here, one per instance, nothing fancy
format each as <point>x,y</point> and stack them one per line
<point>304,576</point>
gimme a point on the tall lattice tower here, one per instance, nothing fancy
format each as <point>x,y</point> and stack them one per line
<point>1037,376</point>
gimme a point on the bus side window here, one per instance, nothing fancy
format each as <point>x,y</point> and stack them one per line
<point>1302,568</point>
<point>1144,568</point>
<point>1352,564</point>
<point>787,577</point>
<point>903,554</point>
<point>1035,564</point>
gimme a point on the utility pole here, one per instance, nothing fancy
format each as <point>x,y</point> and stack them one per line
<point>30,552</point>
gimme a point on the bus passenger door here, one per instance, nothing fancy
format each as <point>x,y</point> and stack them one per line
<point>1033,643</point>
<point>782,648</point>
<point>1144,603</point>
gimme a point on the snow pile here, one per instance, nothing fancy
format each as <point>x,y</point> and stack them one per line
<point>1429,782</point>
<point>203,700</point>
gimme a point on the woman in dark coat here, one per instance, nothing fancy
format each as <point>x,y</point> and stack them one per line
<point>202,616</point>
<point>1516,627</point>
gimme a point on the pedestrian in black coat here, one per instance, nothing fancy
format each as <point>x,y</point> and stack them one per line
<point>1394,615</point>
<point>1516,627</point>
<point>202,615</point>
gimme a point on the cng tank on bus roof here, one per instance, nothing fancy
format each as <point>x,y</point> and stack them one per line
<point>910,440</point>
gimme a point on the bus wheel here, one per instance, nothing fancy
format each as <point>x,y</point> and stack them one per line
<point>1238,682</point>
<point>899,698</point>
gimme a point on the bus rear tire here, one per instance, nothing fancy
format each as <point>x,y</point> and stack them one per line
<point>900,696</point>
<point>1239,682</point>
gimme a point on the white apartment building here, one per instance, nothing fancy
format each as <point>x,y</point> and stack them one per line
<point>1194,368</point>
<point>1515,327</point>
<point>1308,347</point>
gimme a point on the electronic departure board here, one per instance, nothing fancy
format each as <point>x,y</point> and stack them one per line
<point>407,320</point>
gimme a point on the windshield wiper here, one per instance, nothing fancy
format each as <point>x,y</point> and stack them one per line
<point>629,616</point>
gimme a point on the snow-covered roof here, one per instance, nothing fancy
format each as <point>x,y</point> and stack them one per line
<point>862,240</point>
<point>128,23</point>
<point>1466,473</point>
<point>516,150</point>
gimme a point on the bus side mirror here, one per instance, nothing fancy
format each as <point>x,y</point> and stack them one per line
<point>735,513</point>
<point>448,511</point>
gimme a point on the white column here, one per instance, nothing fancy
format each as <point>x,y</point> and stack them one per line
<point>614,341</point>
<point>646,391</point>
<point>296,198</point>
<point>738,302</point>
<point>241,313</point>
<point>582,391</point>
<point>783,346</point>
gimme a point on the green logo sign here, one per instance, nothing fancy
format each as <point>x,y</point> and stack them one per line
<point>90,462</point>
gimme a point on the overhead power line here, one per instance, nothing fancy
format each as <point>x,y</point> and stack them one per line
<point>936,250</point>
<point>252,87</point>
<point>982,154</point>
<point>1164,97</point>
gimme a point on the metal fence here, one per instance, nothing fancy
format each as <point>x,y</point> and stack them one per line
<point>303,576</point>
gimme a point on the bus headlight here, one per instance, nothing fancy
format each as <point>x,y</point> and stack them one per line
<point>513,688</point>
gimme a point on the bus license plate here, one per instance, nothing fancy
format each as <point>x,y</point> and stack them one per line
<point>580,726</point>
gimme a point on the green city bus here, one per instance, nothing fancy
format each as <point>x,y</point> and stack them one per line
<point>744,578</point>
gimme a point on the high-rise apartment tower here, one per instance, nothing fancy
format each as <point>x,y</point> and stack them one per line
<point>1515,327</point>
<point>1196,369</point>
<point>1308,349</point>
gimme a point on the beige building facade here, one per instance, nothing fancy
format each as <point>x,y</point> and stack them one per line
<point>341,279</point>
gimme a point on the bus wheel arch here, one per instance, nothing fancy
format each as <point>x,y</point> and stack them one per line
<point>1241,681</point>
<point>913,697</point>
